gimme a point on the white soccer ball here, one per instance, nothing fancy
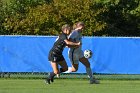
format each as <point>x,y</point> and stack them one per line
<point>87,53</point>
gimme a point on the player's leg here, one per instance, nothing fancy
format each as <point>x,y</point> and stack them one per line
<point>73,56</point>
<point>52,74</point>
<point>64,67</point>
<point>74,63</point>
<point>86,63</point>
<point>54,60</point>
<point>73,68</point>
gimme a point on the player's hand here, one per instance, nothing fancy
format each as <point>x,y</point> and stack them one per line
<point>79,43</point>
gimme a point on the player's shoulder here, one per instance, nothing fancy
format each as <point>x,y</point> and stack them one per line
<point>74,33</point>
<point>63,36</point>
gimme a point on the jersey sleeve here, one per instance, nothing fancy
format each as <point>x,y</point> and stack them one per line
<point>64,37</point>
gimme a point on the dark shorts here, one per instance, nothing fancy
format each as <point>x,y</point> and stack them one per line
<point>55,58</point>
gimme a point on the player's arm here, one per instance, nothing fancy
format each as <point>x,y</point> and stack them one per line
<point>70,43</point>
<point>72,38</point>
<point>73,46</point>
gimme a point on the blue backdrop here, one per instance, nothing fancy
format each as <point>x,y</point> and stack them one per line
<point>120,55</point>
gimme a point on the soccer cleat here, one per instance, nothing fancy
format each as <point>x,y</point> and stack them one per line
<point>94,81</point>
<point>48,81</point>
<point>52,80</point>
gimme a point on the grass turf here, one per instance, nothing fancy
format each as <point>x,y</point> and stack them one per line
<point>68,86</point>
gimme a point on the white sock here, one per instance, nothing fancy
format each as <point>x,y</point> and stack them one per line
<point>69,70</point>
<point>89,72</point>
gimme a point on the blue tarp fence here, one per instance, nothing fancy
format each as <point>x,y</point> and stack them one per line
<point>111,55</point>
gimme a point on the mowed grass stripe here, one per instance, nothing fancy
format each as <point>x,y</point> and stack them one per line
<point>68,86</point>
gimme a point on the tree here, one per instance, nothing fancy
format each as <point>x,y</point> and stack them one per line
<point>45,17</point>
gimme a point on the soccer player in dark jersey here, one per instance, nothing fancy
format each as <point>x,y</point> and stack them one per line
<point>55,55</point>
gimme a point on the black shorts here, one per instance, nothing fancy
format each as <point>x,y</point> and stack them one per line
<point>55,58</point>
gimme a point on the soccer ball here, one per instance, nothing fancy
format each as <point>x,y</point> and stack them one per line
<point>87,53</point>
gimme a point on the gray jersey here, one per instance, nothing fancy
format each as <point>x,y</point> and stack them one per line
<point>76,36</point>
<point>75,53</point>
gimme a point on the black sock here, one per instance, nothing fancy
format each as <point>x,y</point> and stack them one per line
<point>52,74</point>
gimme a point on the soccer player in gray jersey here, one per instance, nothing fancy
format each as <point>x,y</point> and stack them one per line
<point>76,54</point>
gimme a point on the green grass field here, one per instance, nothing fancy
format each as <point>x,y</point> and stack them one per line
<point>68,86</point>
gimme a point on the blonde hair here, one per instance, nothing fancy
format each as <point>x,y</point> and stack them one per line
<point>66,26</point>
<point>78,24</point>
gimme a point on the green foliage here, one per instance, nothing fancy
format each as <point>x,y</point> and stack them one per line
<point>122,18</point>
<point>15,12</point>
<point>1,16</point>
<point>45,17</point>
